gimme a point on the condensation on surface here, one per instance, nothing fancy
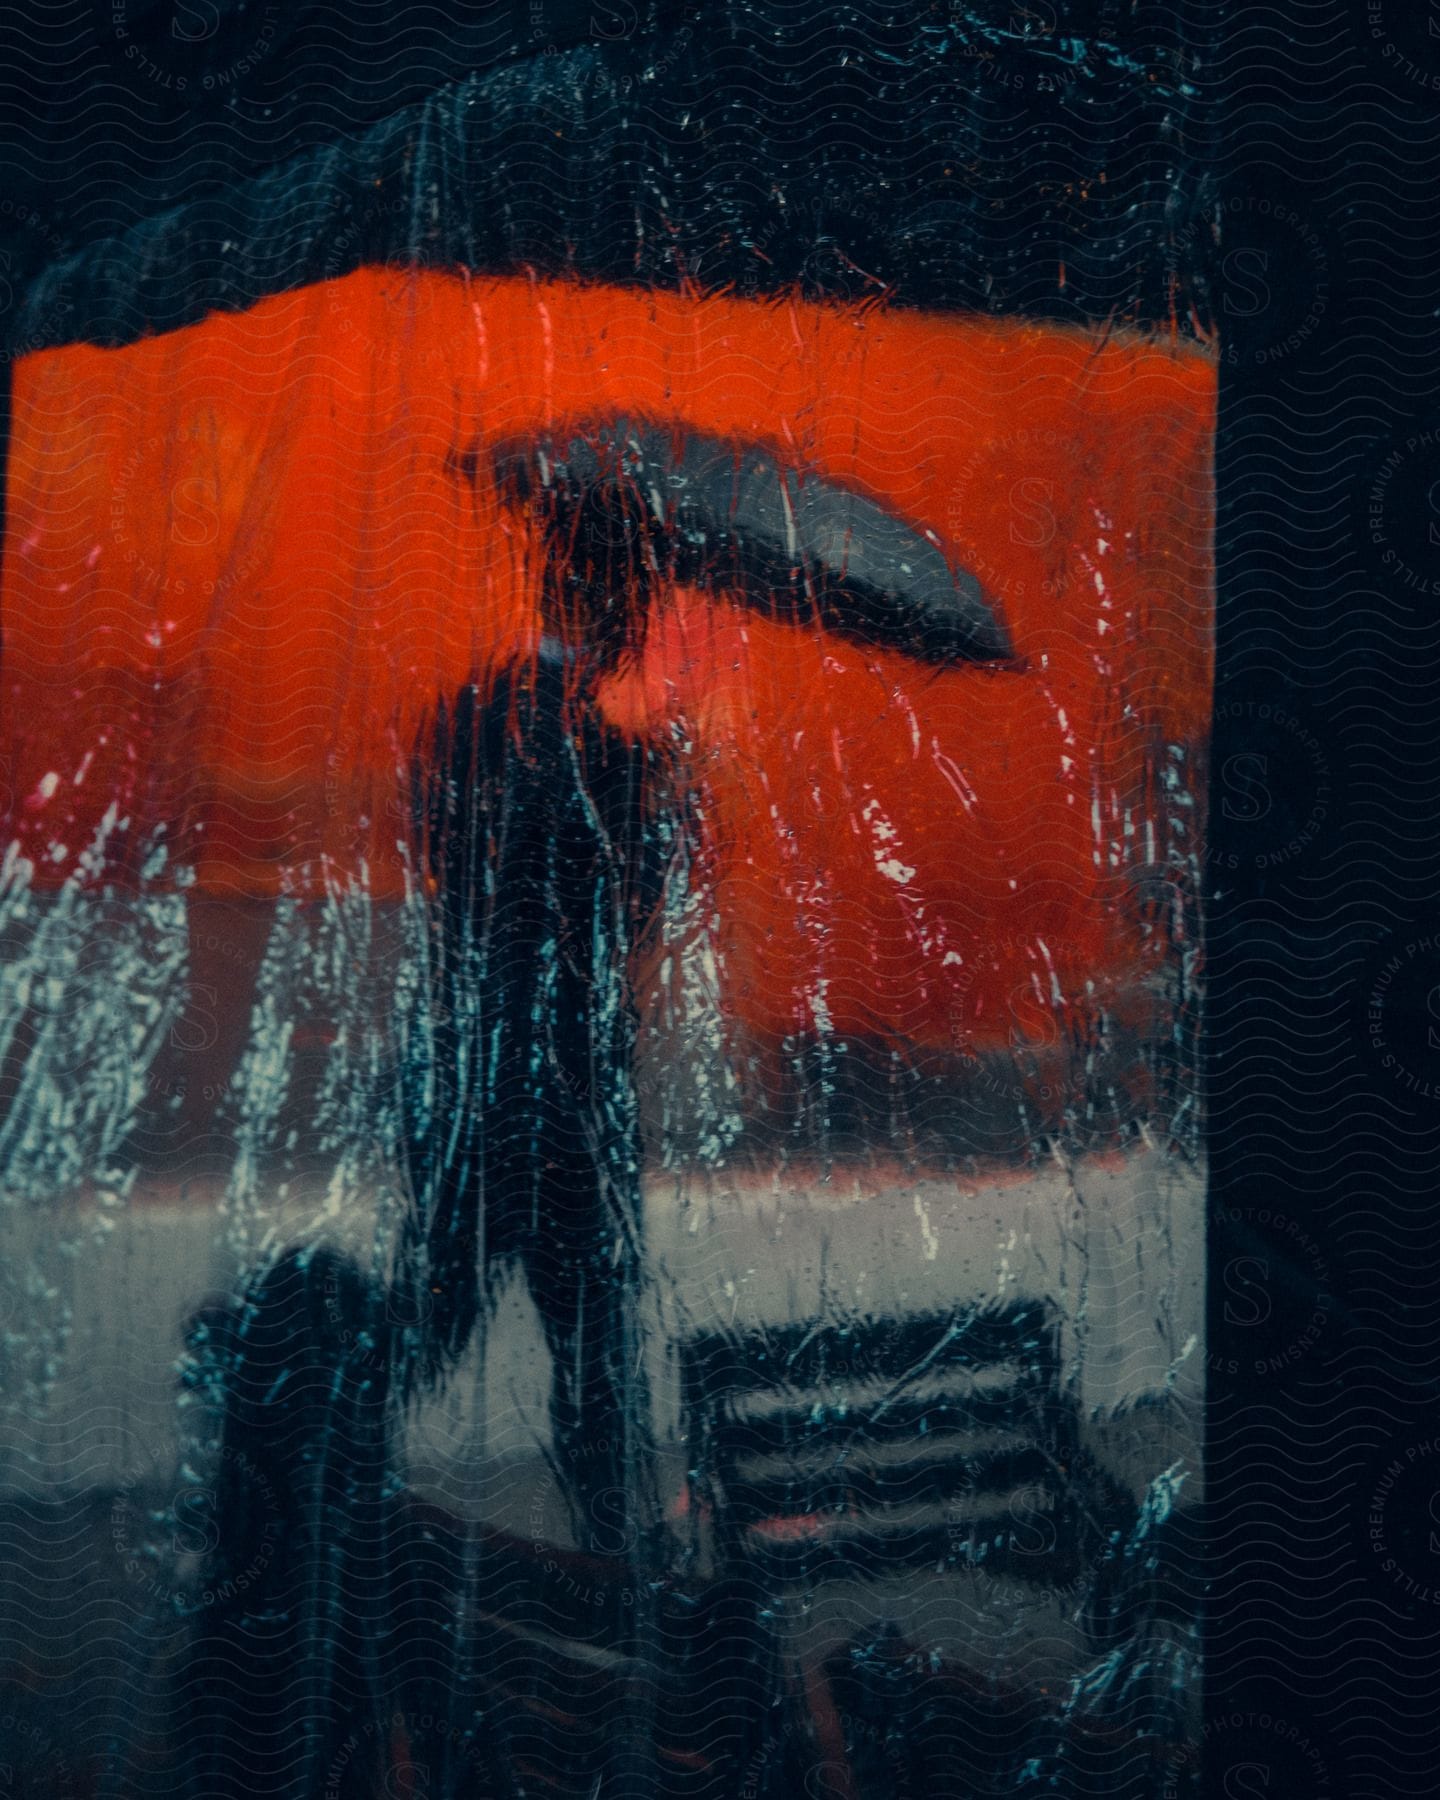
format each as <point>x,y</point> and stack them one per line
<point>88,990</point>
<point>600,1024</point>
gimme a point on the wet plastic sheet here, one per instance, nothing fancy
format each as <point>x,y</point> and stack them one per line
<point>646,1073</point>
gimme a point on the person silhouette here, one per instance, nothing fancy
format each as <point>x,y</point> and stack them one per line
<point>545,838</point>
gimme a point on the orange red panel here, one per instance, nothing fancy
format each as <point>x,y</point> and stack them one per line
<point>241,564</point>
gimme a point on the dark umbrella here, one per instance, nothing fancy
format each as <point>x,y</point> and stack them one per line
<point>626,502</point>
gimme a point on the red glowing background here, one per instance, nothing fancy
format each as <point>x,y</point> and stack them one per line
<point>239,568</point>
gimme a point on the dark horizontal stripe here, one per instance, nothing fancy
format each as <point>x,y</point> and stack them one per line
<point>864,1549</point>
<point>720,1366</point>
<point>930,1426</point>
<point>812,1484</point>
<point>921,152</point>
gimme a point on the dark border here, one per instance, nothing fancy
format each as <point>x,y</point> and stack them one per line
<point>1323,1163</point>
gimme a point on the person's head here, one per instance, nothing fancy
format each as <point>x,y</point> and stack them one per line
<point>297,1365</point>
